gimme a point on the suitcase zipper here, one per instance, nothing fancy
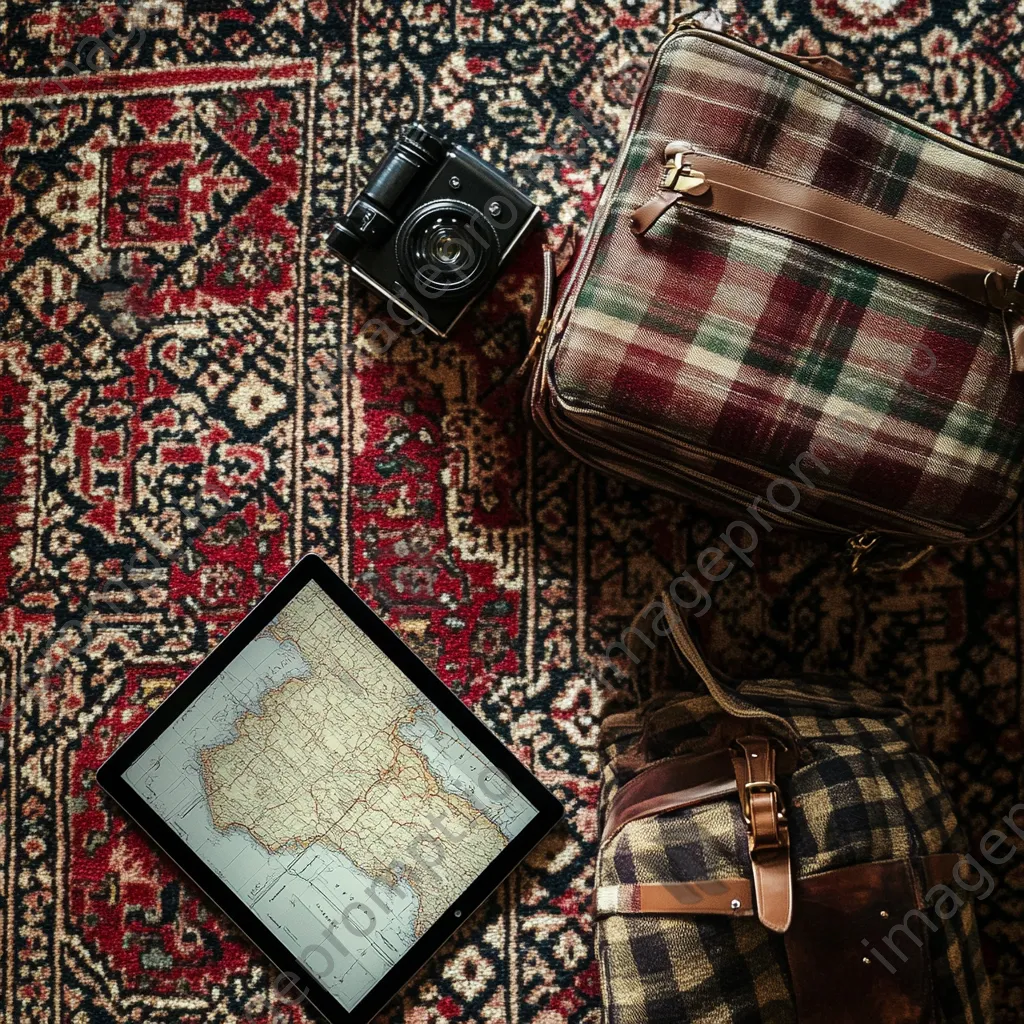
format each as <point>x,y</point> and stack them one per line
<point>937,530</point>
<point>787,64</point>
<point>859,545</point>
<point>738,494</point>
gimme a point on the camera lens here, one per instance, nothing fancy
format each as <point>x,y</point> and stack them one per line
<point>421,138</point>
<point>447,249</point>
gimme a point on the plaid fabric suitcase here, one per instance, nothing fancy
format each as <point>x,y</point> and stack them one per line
<point>795,302</point>
<point>871,922</point>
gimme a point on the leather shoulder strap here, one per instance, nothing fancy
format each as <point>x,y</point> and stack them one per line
<point>753,717</point>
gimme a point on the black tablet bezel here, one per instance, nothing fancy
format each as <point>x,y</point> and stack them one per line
<point>311,568</point>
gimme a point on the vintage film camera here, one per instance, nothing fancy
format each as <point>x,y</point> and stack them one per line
<point>432,229</point>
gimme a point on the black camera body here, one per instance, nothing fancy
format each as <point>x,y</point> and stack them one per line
<point>432,229</point>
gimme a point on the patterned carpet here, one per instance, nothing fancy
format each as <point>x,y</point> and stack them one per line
<point>185,411</point>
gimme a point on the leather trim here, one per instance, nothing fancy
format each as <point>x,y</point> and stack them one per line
<point>825,65</point>
<point>671,785</point>
<point>768,200</point>
<point>841,968</point>
<point>890,881</point>
<point>731,896</point>
<point>644,217</point>
<point>759,197</point>
<point>938,868</point>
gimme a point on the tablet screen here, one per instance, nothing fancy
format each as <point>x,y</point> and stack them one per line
<point>329,794</point>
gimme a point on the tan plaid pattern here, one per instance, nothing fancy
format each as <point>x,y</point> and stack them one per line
<point>863,793</point>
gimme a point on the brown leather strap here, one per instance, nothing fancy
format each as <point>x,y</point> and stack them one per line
<point>671,785</point>
<point>757,196</point>
<point>735,896</point>
<point>768,837</point>
<point>732,896</point>
<point>760,197</point>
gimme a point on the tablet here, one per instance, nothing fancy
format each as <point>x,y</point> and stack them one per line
<point>330,794</point>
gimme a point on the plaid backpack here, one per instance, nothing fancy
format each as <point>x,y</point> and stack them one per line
<point>780,852</point>
<point>796,305</point>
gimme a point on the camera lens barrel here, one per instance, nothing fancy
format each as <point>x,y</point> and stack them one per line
<point>447,248</point>
<point>417,149</point>
<point>418,137</point>
<point>369,219</point>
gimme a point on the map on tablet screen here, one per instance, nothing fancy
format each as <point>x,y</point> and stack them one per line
<point>330,794</point>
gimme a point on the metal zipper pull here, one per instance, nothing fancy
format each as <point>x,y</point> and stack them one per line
<point>708,21</point>
<point>538,340</point>
<point>859,546</point>
<point>680,178</point>
<point>867,541</point>
<point>547,302</point>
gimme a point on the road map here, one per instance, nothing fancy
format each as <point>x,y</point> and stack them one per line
<point>330,795</point>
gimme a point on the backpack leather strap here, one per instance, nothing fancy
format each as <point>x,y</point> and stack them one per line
<point>670,785</point>
<point>733,897</point>
<point>768,835</point>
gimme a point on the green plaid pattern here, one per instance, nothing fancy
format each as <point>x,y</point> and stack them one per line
<point>863,794</point>
<point>754,348</point>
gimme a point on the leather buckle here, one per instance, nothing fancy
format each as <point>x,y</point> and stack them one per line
<point>762,787</point>
<point>754,764</point>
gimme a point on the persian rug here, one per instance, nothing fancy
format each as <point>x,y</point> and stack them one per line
<point>188,404</point>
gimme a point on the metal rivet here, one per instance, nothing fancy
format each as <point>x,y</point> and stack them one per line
<point>458,913</point>
<point>867,959</point>
<point>494,209</point>
<point>735,904</point>
<point>885,913</point>
<point>455,182</point>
